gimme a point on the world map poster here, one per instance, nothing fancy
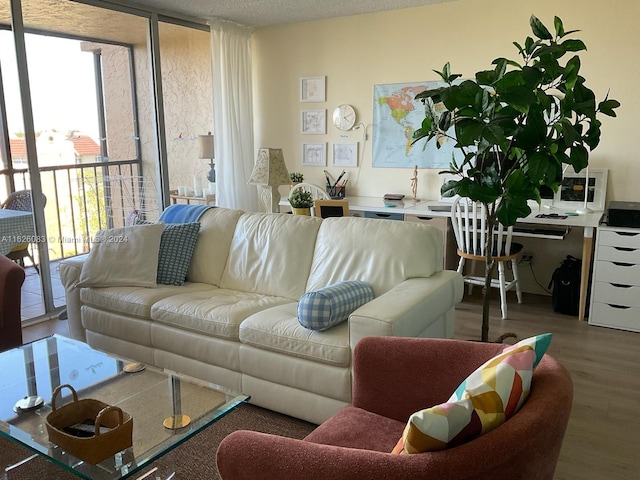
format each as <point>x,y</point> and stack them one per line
<point>396,115</point>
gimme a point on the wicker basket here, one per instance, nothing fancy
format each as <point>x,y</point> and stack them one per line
<point>99,446</point>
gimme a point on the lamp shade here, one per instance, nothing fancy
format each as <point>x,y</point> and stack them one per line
<point>270,168</point>
<point>205,146</point>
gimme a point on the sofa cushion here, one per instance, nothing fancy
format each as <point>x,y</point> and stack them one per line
<point>322,309</point>
<point>126,256</point>
<point>176,249</point>
<point>212,248</point>
<point>214,312</point>
<point>488,397</point>
<point>277,329</point>
<point>271,254</point>
<point>135,301</point>
<point>382,253</point>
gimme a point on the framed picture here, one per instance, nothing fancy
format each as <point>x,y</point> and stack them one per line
<point>314,154</point>
<point>314,122</point>
<point>574,186</point>
<point>345,154</point>
<point>312,89</point>
<point>331,208</point>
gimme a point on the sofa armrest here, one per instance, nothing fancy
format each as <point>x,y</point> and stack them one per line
<point>388,368</point>
<point>70,269</point>
<point>410,309</point>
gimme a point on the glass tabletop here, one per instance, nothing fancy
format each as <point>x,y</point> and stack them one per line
<point>167,408</point>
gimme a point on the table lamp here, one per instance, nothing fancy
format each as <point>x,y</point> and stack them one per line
<point>269,173</point>
<point>205,151</point>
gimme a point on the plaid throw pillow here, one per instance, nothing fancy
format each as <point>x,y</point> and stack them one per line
<point>329,306</point>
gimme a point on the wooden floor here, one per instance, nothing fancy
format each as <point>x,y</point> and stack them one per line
<point>603,436</point>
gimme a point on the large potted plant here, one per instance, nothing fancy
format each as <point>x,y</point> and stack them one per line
<point>515,126</point>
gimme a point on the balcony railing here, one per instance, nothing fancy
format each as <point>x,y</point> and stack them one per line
<point>85,198</point>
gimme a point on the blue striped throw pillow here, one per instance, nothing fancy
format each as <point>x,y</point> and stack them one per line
<point>329,306</point>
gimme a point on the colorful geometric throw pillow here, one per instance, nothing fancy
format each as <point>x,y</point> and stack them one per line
<point>493,393</point>
<point>329,306</point>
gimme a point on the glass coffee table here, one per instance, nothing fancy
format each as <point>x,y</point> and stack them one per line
<point>167,408</point>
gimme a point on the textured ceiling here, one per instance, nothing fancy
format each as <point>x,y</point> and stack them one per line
<point>91,22</point>
<point>274,12</point>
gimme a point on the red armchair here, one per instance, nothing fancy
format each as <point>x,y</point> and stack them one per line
<point>394,377</point>
<point>11,280</point>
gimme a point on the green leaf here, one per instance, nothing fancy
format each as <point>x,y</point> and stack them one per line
<point>557,23</point>
<point>538,165</point>
<point>468,130</point>
<point>450,188</point>
<point>509,210</point>
<point>592,137</point>
<point>538,29</point>
<point>573,45</point>
<point>519,97</point>
<point>570,75</point>
<point>486,77</point>
<point>606,107</point>
<point>579,157</point>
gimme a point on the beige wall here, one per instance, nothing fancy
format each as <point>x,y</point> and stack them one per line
<point>358,52</point>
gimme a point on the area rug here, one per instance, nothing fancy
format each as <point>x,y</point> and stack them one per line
<point>193,460</point>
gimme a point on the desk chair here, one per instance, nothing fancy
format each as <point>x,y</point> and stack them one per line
<point>21,201</point>
<point>468,220</point>
<point>330,208</point>
<point>317,193</point>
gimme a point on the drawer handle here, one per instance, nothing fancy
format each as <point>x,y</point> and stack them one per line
<point>619,307</point>
<point>425,218</point>
<point>626,234</point>
<point>385,215</point>
<point>620,264</point>
<point>619,285</point>
<point>625,249</point>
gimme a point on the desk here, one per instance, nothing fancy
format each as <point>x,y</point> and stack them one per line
<point>588,222</point>
<point>16,228</point>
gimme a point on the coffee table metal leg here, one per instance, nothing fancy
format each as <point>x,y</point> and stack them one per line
<point>177,419</point>
<point>6,474</point>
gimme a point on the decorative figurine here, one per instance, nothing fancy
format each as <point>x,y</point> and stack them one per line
<point>414,182</point>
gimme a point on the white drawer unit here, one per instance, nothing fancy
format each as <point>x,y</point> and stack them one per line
<point>615,293</point>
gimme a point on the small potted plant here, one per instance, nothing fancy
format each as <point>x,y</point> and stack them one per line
<point>301,202</point>
<point>296,178</point>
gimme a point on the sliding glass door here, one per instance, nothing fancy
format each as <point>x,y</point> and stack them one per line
<point>92,142</point>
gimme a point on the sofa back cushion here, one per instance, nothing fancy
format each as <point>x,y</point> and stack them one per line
<point>271,254</point>
<point>382,253</point>
<point>212,248</point>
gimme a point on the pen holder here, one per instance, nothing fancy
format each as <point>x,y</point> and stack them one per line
<point>337,192</point>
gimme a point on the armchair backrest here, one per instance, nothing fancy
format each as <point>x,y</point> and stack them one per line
<point>11,279</point>
<point>395,376</point>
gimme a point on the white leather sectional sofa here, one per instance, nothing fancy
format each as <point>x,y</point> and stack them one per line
<point>234,322</point>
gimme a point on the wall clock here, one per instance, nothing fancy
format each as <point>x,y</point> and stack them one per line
<point>344,117</point>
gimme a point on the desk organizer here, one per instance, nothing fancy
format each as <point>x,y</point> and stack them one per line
<point>337,192</point>
<point>99,446</point>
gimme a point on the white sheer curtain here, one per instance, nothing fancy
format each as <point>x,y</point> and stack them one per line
<point>233,115</point>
